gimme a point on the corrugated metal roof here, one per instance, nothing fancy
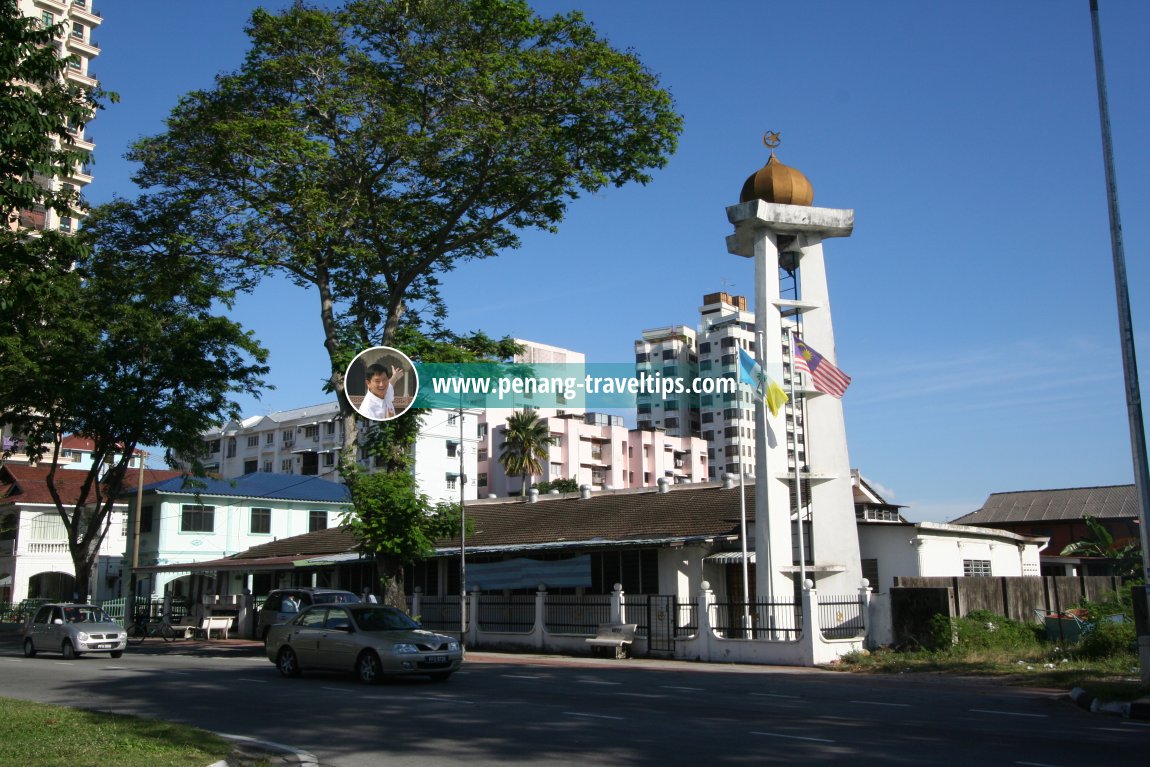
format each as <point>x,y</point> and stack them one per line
<point>259,485</point>
<point>1108,502</point>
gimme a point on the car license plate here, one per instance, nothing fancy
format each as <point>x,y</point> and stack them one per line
<point>105,645</point>
<point>437,659</point>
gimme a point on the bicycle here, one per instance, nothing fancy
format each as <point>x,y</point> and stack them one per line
<point>144,626</point>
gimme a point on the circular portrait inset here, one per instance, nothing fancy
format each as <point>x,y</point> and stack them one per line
<point>381,383</point>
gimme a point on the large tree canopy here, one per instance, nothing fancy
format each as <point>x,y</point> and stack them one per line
<point>125,349</point>
<point>366,150</point>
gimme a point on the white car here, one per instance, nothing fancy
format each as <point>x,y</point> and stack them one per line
<point>72,630</point>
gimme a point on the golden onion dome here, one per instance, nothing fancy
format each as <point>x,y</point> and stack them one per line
<point>775,182</point>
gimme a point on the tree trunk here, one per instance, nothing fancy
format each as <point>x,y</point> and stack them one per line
<point>389,573</point>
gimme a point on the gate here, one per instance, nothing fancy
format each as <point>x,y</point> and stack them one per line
<point>662,618</point>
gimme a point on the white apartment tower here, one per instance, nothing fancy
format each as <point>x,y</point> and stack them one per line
<point>671,352</point>
<point>79,20</point>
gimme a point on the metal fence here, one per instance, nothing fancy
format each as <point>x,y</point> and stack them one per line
<point>778,620</point>
<point>512,614</point>
<point>575,615</point>
<point>842,617</point>
<point>438,613</point>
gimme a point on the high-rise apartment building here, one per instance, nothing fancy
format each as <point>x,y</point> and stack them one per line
<point>726,421</point>
<point>76,44</point>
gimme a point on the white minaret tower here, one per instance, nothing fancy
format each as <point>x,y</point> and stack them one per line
<point>776,225</point>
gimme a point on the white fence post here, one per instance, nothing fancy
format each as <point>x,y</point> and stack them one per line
<point>417,602</point>
<point>617,601</point>
<point>472,618</point>
<point>540,629</point>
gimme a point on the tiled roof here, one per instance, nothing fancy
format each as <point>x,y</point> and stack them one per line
<point>684,512</point>
<point>20,483</point>
<point>288,487</point>
<point>1110,502</point>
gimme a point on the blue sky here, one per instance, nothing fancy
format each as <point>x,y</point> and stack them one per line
<point>973,305</point>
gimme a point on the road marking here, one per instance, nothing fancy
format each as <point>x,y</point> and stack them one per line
<point>249,679</point>
<point>593,716</point>
<point>1137,724</point>
<point>772,695</point>
<point>676,687</point>
<point>1037,764</point>
<point>1006,713</point>
<point>792,737</point>
<point>878,703</point>
<point>445,699</point>
<point>599,681</point>
<point>642,695</point>
<point>520,676</point>
<point>335,689</point>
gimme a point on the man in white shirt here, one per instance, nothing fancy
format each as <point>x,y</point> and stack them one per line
<point>379,401</point>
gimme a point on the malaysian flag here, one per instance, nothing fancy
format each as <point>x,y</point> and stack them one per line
<point>824,376</point>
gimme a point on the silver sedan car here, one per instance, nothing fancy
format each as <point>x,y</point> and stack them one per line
<point>370,640</point>
<point>72,630</point>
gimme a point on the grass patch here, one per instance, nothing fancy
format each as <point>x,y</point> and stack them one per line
<point>986,645</point>
<point>39,735</point>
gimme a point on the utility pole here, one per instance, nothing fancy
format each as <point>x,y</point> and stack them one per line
<point>1126,331</point>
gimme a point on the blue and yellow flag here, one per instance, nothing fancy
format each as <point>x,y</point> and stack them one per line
<point>765,388</point>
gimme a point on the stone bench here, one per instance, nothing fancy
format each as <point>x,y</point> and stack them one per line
<point>617,636</point>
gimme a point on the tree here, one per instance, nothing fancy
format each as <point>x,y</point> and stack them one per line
<point>568,485</point>
<point>366,150</point>
<point>39,108</point>
<point>1126,558</point>
<point>126,349</point>
<point>525,445</point>
<point>396,525</point>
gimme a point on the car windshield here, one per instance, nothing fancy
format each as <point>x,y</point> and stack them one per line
<point>383,619</point>
<point>321,598</point>
<point>85,615</point>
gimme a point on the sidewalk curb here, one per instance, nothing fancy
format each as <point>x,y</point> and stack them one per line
<point>287,755</point>
<point>1138,710</point>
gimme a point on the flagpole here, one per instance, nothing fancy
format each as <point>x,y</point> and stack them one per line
<point>798,466</point>
<point>743,514</point>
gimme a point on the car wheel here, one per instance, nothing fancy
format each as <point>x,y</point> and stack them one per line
<point>287,662</point>
<point>116,653</point>
<point>368,668</point>
<point>29,648</point>
<point>68,651</point>
<point>440,676</point>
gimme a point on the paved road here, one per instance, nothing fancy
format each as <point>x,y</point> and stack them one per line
<point>539,710</point>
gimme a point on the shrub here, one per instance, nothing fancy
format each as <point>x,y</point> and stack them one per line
<point>984,630</point>
<point>1107,639</point>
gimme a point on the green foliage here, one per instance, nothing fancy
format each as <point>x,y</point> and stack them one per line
<point>366,150</point>
<point>981,629</point>
<point>1107,639</point>
<point>38,107</point>
<point>1126,557</point>
<point>391,518</point>
<point>562,485</point>
<point>527,439</point>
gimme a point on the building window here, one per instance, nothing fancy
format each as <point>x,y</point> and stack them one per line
<point>285,466</point>
<point>270,438</point>
<point>973,568</point>
<point>268,466</point>
<point>78,31</point>
<point>481,430</point>
<point>329,459</point>
<point>197,519</point>
<point>252,466</point>
<point>705,347</point>
<point>311,432</point>
<point>146,517</point>
<point>316,520</point>
<point>289,436</point>
<point>870,572</point>
<point>556,470</point>
<point>47,19</point>
<point>329,428</point>
<point>452,419</point>
<point>231,448</point>
<point>483,479</point>
<point>213,446</point>
<point>450,480</point>
<point>253,440</point>
<point>452,447</point>
<point>261,523</point>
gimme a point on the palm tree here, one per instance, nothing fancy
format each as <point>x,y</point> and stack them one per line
<point>525,446</point>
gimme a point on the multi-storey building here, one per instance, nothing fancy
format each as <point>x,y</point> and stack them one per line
<point>78,47</point>
<point>672,353</point>
<point>307,441</point>
<point>598,450</point>
<point>726,421</point>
